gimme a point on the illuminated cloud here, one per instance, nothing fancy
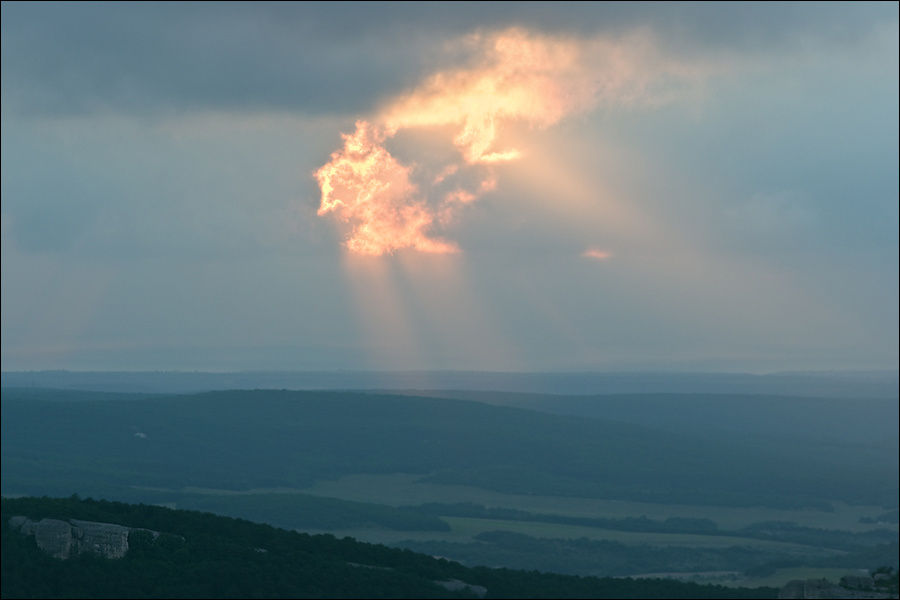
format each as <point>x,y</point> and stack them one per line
<point>512,76</point>
<point>366,187</point>
<point>596,254</point>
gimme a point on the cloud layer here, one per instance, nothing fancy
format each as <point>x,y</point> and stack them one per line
<point>329,58</point>
<point>735,162</point>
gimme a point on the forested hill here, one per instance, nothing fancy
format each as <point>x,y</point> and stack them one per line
<point>58,443</point>
<point>199,555</point>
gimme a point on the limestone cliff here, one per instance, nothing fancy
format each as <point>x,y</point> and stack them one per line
<point>63,539</point>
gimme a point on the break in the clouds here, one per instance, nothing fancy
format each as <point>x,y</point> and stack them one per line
<point>516,76</point>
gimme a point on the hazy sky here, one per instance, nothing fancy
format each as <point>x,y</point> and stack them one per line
<point>529,186</point>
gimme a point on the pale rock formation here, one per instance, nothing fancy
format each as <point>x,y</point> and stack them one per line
<point>64,539</point>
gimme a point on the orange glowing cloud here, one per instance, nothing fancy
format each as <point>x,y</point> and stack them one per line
<point>513,76</point>
<point>596,254</point>
<point>517,75</point>
<point>367,188</point>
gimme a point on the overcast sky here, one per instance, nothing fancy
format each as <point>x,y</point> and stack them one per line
<point>664,186</point>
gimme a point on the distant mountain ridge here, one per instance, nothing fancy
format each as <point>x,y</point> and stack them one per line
<point>856,384</point>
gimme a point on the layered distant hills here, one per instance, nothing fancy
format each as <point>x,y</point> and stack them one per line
<point>836,384</point>
<point>743,489</point>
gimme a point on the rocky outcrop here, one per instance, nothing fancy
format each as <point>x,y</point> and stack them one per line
<point>64,539</point>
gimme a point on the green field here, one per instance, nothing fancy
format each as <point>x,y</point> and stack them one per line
<point>464,529</point>
<point>401,489</point>
<point>471,527</point>
<point>405,489</point>
<point>365,502</point>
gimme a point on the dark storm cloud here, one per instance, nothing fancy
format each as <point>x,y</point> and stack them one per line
<point>76,58</point>
<point>327,58</point>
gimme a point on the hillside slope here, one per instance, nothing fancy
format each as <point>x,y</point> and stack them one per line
<point>199,555</point>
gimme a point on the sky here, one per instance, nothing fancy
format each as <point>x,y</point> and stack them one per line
<point>450,186</point>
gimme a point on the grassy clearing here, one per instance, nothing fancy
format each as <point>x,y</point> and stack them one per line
<point>404,489</point>
<point>464,529</point>
<point>471,527</point>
